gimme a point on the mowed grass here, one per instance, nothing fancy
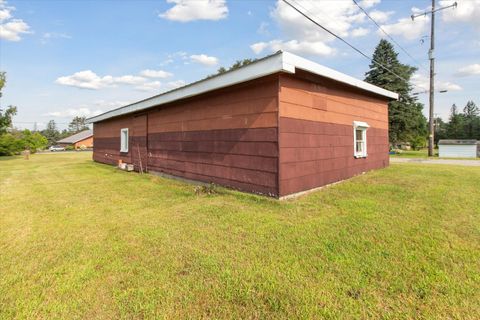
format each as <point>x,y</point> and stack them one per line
<point>81,240</point>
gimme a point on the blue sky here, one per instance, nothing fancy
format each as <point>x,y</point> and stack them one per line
<point>67,58</point>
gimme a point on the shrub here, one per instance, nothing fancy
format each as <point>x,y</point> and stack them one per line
<point>418,143</point>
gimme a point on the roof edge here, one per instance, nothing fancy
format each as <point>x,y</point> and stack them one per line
<point>280,61</point>
<point>260,68</point>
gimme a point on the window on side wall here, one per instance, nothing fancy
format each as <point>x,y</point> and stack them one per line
<point>124,140</point>
<point>360,139</point>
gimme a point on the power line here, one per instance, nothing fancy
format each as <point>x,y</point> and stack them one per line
<point>389,36</point>
<point>346,42</point>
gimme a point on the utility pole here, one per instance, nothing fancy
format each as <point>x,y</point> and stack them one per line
<point>431,57</point>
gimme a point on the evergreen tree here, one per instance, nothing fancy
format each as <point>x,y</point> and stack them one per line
<point>472,120</point>
<point>455,124</point>
<point>51,133</point>
<point>406,121</point>
<point>77,124</point>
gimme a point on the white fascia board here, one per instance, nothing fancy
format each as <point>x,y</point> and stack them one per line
<point>255,70</point>
<point>360,124</point>
<point>310,66</point>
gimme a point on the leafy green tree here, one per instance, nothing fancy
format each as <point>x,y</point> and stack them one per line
<point>16,141</point>
<point>6,119</point>
<point>32,141</point>
<point>5,116</point>
<point>237,65</point>
<point>406,121</point>
<point>3,79</point>
<point>9,144</point>
<point>77,124</point>
<point>51,133</point>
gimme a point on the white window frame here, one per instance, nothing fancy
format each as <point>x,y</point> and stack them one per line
<point>363,126</point>
<point>124,140</point>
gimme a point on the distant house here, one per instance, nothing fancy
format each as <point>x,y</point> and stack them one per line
<point>278,126</point>
<point>79,140</point>
<point>458,148</point>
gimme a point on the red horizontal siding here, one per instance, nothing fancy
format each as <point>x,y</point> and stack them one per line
<point>313,154</point>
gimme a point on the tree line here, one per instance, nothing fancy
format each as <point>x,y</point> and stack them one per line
<point>13,141</point>
<point>461,124</point>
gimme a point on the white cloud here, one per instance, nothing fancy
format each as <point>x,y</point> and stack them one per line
<point>74,112</point>
<point>380,16</point>
<point>359,32</point>
<point>166,62</point>
<point>88,79</point>
<point>422,81</point>
<point>306,47</point>
<point>263,29</point>
<point>407,28</point>
<point>5,14</point>
<point>190,10</point>
<point>47,36</point>
<point>88,110</point>
<point>467,11</point>
<point>110,104</point>
<point>470,70</point>
<point>175,84</point>
<point>128,79</point>
<point>204,59</point>
<point>303,37</point>
<point>149,86</point>
<point>157,85</point>
<point>258,47</point>
<point>11,29</point>
<point>368,3</point>
<point>149,73</point>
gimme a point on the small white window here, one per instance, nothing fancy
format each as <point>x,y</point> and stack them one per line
<point>360,139</point>
<point>124,140</point>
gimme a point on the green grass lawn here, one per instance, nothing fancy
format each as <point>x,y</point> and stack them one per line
<point>423,153</point>
<point>83,240</point>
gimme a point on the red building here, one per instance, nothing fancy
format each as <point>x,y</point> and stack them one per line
<point>278,126</point>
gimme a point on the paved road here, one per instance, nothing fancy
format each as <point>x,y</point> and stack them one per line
<point>469,163</point>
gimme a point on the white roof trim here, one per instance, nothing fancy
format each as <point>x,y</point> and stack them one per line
<point>360,124</point>
<point>310,66</point>
<point>279,62</point>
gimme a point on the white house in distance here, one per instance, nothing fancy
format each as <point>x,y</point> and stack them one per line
<point>458,148</point>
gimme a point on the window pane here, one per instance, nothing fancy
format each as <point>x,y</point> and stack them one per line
<point>124,140</point>
<point>359,146</point>
<point>359,134</point>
